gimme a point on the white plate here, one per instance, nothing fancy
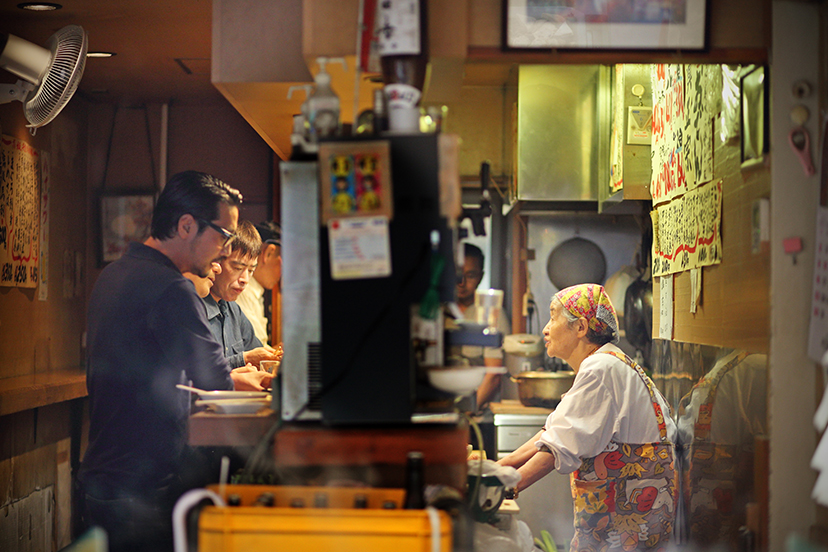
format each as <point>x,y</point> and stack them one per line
<point>222,395</point>
<point>236,406</point>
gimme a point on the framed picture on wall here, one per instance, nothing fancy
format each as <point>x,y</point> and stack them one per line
<point>125,217</point>
<point>618,25</point>
<point>754,116</point>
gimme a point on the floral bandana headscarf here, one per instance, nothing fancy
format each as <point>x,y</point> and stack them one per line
<point>590,301</point>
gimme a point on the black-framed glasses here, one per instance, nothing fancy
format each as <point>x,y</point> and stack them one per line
<point>469,276</point>
<point>228,235</point>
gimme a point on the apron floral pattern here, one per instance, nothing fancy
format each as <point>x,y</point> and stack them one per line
<point>713,472</point>
<point>625,497</point>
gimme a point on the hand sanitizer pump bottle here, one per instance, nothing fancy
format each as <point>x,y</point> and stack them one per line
<point>323,103</point>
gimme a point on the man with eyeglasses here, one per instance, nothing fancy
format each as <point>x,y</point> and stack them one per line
<point>147,331</point>
<point>469,279</point>
<point>229,325</point>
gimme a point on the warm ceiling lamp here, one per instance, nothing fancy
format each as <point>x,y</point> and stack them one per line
<point>99,54</point>
<point>39,6</point>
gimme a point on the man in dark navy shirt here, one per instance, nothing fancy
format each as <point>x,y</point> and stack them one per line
<point>229,325</point>
<point>147,330</point>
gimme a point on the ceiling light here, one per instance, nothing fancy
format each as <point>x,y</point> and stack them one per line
<point>100,54</point>
<point>39,6</point>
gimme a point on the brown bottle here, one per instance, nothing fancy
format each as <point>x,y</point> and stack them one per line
<point>414,482</point>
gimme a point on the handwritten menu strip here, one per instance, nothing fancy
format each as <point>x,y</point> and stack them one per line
<point>818,333</point>
<point>684,104</point>
<point>45,183</point>
<point>687,231</point>
<point>19,213</point>
<point>665,306</point>
<point>668,175</point>
<point>698,123</point>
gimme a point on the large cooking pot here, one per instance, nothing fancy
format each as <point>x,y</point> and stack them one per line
<point>543,388</point>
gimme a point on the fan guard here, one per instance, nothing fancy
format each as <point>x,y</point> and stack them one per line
<point>68,47</point>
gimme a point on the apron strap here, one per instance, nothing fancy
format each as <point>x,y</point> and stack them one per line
<point>701,430</point>
<point>662,426</point>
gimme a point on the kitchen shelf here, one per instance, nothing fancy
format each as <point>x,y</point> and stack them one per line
<point>30,391</point>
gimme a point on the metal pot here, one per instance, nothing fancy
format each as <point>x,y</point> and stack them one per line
<point>543,388</point>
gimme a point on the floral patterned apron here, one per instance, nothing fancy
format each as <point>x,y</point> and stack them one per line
<point>625,497</point>
<point>713,472</point>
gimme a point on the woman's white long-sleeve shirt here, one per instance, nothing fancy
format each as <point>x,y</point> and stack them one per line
<point>608,402</point>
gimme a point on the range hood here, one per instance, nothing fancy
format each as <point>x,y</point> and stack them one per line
<point>563,132</point>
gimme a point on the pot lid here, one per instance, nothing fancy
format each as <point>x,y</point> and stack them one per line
<point>576,261</point>
<point>523,344</point>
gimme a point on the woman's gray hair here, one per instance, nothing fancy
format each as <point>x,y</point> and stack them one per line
<point>608,335</point>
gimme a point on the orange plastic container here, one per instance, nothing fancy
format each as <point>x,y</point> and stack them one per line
<point>336,528</point>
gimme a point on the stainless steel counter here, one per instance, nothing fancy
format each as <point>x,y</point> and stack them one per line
<point>548,503</point>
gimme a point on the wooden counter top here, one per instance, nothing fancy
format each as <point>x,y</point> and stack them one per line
<point>35,390</point>
<point>304,445</point>
<point>509,406</point>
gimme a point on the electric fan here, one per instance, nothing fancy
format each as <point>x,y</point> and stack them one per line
<point>49,75</point>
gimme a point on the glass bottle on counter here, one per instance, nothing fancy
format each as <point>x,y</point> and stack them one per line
<point>414,482</point>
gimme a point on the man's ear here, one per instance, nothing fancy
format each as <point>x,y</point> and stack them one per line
<point>187,226</point>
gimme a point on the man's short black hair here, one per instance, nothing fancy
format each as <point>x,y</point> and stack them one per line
<point>190,192</point>
<point>471,250</point>
<point>271,232</point>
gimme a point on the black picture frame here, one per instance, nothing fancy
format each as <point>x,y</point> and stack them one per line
<point>624,25</point>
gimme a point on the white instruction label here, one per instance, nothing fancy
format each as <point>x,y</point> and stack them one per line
<point>665,307</point>
<point>359,248</point>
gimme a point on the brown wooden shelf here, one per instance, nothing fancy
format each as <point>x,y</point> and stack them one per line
<point>21,393</point>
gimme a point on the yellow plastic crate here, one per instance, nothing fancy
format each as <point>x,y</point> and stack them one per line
<point>337,528</point>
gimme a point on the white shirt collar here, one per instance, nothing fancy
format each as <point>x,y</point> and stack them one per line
<point>255,288</point>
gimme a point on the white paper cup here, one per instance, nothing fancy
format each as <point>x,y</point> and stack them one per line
<point>403,113</point>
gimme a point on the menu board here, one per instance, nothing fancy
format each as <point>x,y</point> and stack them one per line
<point>687,231</point>
<point>19,213</point>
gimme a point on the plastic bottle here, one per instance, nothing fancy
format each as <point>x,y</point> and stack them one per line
<point>301,147</point>
<point>414,482</point>
<point>323,103</point>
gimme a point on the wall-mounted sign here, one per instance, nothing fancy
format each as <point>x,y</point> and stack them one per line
<point>19,213</point>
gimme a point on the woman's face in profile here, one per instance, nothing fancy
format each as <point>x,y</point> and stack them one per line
<point>559,335</point>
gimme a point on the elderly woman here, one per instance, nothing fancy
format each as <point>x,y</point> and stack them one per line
<point>609,431</point>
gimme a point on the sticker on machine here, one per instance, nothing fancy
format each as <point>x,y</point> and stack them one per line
<point>359,248</point>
